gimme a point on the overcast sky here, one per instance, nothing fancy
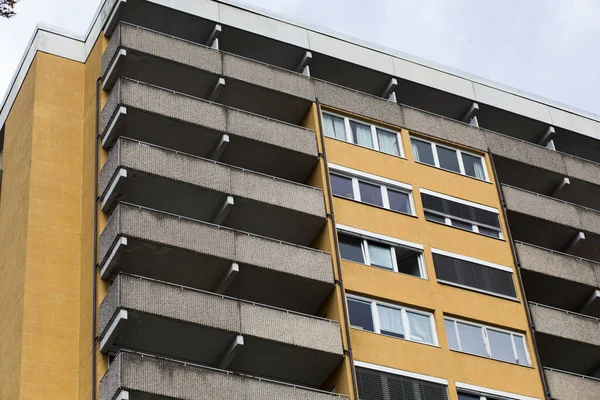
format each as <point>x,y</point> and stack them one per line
<point>547,47</point>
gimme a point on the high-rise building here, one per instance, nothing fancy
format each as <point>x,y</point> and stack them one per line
<point>203,201</point>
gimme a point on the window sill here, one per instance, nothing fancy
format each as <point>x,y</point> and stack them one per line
<point>385,270</point>
<point>394,337</point>
<point>454,172</point>
<point>374,205</point>
<point>493,359</point>
<point>464,230</point>
<point>458,285</point>
<point>367,148</point>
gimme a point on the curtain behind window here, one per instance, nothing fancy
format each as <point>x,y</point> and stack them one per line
<point>334,127</point>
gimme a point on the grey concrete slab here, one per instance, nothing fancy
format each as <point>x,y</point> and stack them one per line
<point>564,386</point>
<point>565,324</point>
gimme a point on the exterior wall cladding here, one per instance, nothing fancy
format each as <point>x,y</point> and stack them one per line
<point>260,224</point>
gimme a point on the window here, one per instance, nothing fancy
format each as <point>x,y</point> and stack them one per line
<point>371,189</point>
<point>391,320</point>
<point>384,255</point>
<point>470,392</point>
<point>447,158</point>
<point>379,385</point>
<point>471,273</point>
<point>486,341</point>
<point>363,134</point>
<point>461,214</point>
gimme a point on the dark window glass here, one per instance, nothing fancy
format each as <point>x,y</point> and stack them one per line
<point>342,186</point>
<point>399,201</point>
<point>462,225</point>
<point>434,217</point>
<point>489,232</point>
<point>360,314</point>
<point>350,248</point>
<point>433,203</point>
<point>463,211</point>
<point>448,159</point>
<point>466,396</point>
<point>377,385</point>
<point>408,261</point>
<point>488,218</point>
<point>422,151</point>
<point>473,166</point>
<point>370,194</point>
<point>474,275</point>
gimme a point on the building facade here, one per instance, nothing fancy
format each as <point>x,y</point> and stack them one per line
<point>200,200</point>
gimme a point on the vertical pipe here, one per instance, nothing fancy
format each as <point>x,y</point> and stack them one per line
<point>329,200</point>
<point>519,279</point>
<point>95,236</point>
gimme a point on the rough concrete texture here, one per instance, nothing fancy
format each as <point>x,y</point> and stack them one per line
<point>542,207</point>
<point>444,128</point>
<point>359,103</point>
<point>208,239</point>
<point>293,329</point>
<point>208,174</point>
<point>557,264</point>
<point>268,76</point>
<point>108,307</point>
<point>590,219</point>
<point>572,387</point>
<point>525,152</point>
<point>266,130</point>
<point>111,50</point>
<point>163,46</point>
<point>566,325</point>
<point>214,311</point>
<point>282,257</point>
<point>110,107</point>
<point>584,170</point>
<point>175,380</point>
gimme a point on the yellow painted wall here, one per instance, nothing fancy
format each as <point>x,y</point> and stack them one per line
<point>427,294</point>
<point>43,153</point>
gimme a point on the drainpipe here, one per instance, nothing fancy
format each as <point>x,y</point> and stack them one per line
<point>340,281</point>
<point>95,235</point>
<point>521,287</point>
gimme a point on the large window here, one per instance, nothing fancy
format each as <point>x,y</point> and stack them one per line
<point>475,274</point>
<point>436,155</point>
<point>363,134</point>
<point>392,256</point>
<point>391,320</point>
<point>486,341</point>
<point>379,384</point>
<point>467,391</point>
<point>371,189</point>
<point>461,214</point>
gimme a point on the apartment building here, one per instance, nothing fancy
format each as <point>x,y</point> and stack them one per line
<point>201,200</point>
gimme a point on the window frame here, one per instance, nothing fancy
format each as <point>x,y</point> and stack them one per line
<point>483,328</point>
<point>392,243</point>
<point>489,394</point>
<point>404,318</point>
<point>383,183</point>
<point>374,127</point>
<point>480,262</point>
<point>448,218</point>
<point>459,152</point>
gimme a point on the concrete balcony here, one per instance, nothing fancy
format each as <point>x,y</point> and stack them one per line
<point>202,327</point>
<point>196,126</point>
<point>546,272</point>
<point>567,341</point>
<point>205,256</point>
<point>143,377</point>
<point>566,386</point>
<point>182,184</point>
<point>163,60</point>
<point>553,224</point>
<point>538,169</point>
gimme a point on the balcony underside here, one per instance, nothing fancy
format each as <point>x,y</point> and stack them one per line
<point>568,355</point>
<point>160,318</point>
<point>145,377</point>
<point>199,255</point>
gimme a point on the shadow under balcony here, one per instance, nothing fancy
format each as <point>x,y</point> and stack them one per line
<point>201,327</point>
<point>209,257</point>
<point>196,126</point>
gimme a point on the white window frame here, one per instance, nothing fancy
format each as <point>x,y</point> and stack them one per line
<point>404,319</point>
<point>374,128</point>
<point>486,341</point>
<point>366,236</point>
<point>474,226</point>
<point>383,183</point>
<point>489,394</point>
<point>459,153</point>
<point>480,262</point>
